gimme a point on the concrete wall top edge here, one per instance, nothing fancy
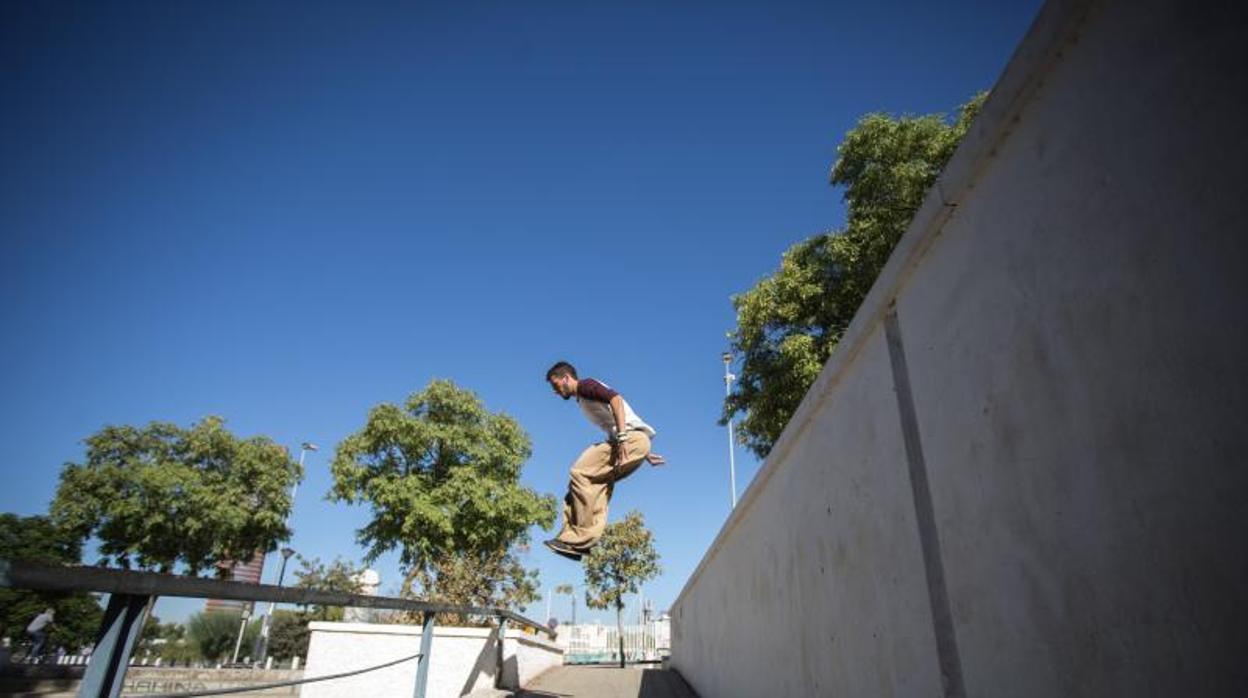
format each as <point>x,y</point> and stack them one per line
<point>1054,27</point>
<point>439,631</point>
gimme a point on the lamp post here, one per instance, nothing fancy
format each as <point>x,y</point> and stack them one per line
<point>261,648</point>
<point>570,590</point>
<point>732,458</point>
<point>303,451</point>
<point>263,640</point>
<point>242,628</point>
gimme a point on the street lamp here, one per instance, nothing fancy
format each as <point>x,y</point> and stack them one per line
<point>570,590</point>
<point>242,628</point>
<point>732,458</point>
<point>263,641</point>
<point>261,647</point>
<point>303,451</point>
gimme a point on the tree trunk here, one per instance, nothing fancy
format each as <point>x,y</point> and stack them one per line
<point>405,591</point>
<point>619,626</point>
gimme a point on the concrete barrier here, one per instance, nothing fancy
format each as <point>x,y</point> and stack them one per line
<point>163,680</point>
<point>66,679</point>
<point>463,659</point>
<point>1023,471</point>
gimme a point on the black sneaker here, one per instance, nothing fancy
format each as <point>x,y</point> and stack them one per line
<point>558,547</point>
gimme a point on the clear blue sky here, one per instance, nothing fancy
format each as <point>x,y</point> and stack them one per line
<point>286,213</point>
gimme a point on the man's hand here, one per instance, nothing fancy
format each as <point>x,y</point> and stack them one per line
<point>655,459</point>
<point>619,448</point>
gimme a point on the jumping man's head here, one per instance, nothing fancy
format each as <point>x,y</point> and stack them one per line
<point>562,379</point>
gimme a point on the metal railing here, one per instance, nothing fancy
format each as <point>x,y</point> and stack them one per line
<point>131,592</point>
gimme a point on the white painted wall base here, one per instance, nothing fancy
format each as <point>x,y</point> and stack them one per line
<point>463,660</point>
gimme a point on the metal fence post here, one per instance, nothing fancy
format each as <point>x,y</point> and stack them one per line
<point>426,645</point>
<point>502,655</point>
<point>119,631</point>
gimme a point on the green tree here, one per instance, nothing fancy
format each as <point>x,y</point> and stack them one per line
<point>180,650</point>
<point>338,576</point>
<point>288,635</point>
<point>442,474</point>
<point>156,637</point>
<point>214,634</point>
<point>789,322</point>
<point>150,633</point>
<point>77,615</point>
<point>159,495</point>
<point>623,558</point>
<point>149,637</point>
<point>482,578</point>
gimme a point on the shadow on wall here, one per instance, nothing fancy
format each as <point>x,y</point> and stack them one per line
<point>511,673</point>
<point>649,683</point>
<point>664,683</point>
<point>485,663</point>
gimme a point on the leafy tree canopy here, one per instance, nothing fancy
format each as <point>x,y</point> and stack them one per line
<point>442,474</point>
<point>622,559</point>
<point>156,634</point>
<point>77,615</point>
<point>789,322</point>
<point>482,578</point>
<point>338,576</point>
<point>213,635</point>
<point>288,635</point>
<point>158,495</point>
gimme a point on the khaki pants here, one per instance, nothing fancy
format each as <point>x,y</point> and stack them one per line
<point>594,475</point>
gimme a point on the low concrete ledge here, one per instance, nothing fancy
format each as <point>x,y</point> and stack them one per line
<point>463,660</point>
<point>160,680</point>
<point>50,679</point>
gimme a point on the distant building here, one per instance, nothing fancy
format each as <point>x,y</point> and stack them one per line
<point>248,572</point>
<point>369,582</point>
<point>595,642</point>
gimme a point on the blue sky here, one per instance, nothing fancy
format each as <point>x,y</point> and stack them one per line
<point>286,213</point>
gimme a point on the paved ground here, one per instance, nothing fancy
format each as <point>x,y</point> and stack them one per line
<point>605,682</point>
<point>560,682</point>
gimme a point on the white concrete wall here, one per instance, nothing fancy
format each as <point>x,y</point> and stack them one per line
<point>1072,308</point>
<point>534,655</point>
<point>463,660</point>
<point>809,588</point>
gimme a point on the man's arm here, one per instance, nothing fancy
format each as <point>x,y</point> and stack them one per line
<point>617,411</point>
<point>590,389</point>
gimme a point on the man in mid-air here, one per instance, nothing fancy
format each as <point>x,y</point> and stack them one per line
<point>600,466</point>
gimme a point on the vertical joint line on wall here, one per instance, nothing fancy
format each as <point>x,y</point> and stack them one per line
<point>929,538</point>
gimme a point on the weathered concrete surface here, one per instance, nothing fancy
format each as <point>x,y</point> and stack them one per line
<point>1066,354</point>
<point>825,569</point>
<point>1076,342</point>
<point>601,682</point>
<point>50,681</point>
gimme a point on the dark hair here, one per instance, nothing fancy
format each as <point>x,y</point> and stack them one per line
<point>563,368</point>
